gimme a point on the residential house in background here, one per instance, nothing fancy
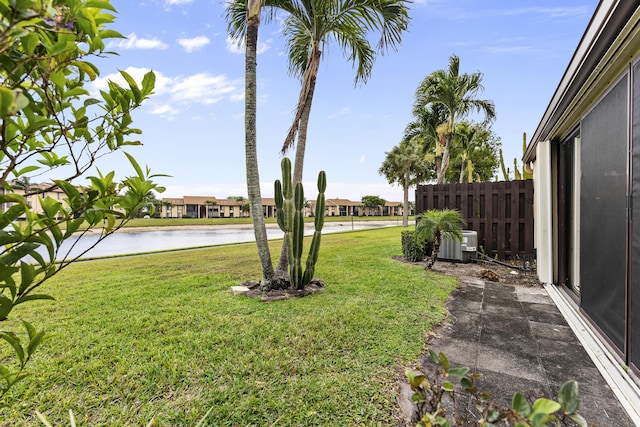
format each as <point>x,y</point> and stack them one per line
<point>586,159</point>
<point>35,192</point>
<point>211,207</point>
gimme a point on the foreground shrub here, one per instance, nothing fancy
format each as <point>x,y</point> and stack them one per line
<point>435,395</point>
<point>412,250</point>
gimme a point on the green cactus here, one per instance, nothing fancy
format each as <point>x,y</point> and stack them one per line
<point>527,171</point>
<point>516,173</point>
<point>290,217</point>
<point>314,249</point>
<point>505,171</point>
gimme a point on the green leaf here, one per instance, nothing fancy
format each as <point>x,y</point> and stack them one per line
<point>467,384</point>
<point>444,361</point>
<point>17,253</point>
<point>6,305</point>
<point>148,83</point>
<point>137,97</point>
<point>31,331</point>
<point>111,34</point>
<point>7,98</point>
<point>577,418</point>
<point>27,274</point>
<point>29,43</point>
<point>75,92</point>
<point>569,397</point>
<point>88,68</point>
<point>520,404</point>
<point>100,4</point>
<point>493,415</point>
<point>417,397</point>
<point>33,297</point>
<point>447,386</point>
<point>25,170</point>
<point>34,342</point>
<point>434,356</point>
<point>135,165</point>
<point>539,419</point>
<point>458,372</point>
<point>415,377</point>
<point>545,406</point>
<point>14,341</point>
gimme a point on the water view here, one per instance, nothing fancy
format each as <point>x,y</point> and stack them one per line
<point>134,242</point>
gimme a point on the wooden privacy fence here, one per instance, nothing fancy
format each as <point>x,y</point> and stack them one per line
<point>500,212</point>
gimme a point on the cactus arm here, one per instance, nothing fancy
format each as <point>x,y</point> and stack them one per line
<point>314,249</point>
<point>505,173</point>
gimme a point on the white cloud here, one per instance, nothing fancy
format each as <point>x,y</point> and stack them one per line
<point>194,43</point>
<point>205,88</point>
<point>237,46</point>
<point>170,2</point>
<point>511,49</point>
<point>171,93</point>
<point>343,112</point>
<point>165,110</point>
<point>363,158</point>
<point>553,12</point>
<point>133,42</point>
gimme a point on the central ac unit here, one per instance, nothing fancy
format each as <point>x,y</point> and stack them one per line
<point>460,251</point>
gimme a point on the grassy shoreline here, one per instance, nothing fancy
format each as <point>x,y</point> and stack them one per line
<point>161,336</point>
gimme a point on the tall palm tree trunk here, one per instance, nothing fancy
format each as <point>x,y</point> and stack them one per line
<point>442,172</point>
<point>251,155</point>
<point>463,166</point>
<point>434,252</point>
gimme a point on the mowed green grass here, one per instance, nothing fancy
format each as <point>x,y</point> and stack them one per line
<point>161,336</point>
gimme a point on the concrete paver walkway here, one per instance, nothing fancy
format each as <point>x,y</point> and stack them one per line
<point>519,341</point>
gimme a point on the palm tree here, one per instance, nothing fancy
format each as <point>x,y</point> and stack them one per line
<point>457,93</point>
<point>22,183</point>
<point>309,26</point>
<point>405,165</point>
<point>424,130</point>
<point>245,208</point>
<point>465,137</point>
<point>432,225</point>
<point>251,22</point>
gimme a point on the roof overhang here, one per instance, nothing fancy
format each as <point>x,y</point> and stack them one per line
<point>609,44</point>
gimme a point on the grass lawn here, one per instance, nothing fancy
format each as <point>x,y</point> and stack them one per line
<point>161,336</point>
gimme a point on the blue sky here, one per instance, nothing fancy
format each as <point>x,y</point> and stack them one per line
<point>193,127</point>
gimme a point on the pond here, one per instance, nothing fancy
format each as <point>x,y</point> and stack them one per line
<point>134,242</point>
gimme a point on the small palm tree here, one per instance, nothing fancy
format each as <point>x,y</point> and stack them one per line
<point>457,93</point>
<point>405,165</point>
<point>433,224</point>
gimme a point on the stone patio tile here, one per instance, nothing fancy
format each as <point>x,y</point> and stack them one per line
<point>464,325</point>
<point>552,332</point>
<point>543,313</point>
<point>505,362</point>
